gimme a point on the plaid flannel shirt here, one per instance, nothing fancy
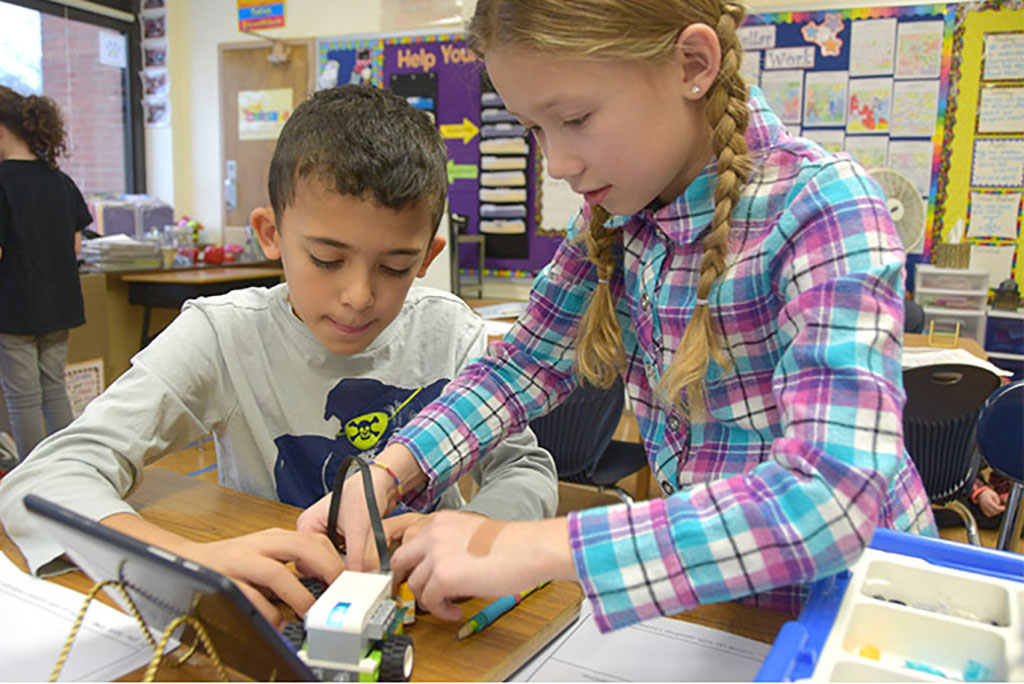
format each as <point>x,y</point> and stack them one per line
<point>799,455</point>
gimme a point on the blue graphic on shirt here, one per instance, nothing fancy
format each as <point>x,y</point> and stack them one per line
<point>369,412</point>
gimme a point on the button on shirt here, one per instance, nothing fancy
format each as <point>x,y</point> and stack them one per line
<point>799,454</point>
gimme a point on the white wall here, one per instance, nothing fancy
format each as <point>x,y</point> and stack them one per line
<point>183,161</point>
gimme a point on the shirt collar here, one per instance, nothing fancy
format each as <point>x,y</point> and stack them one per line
<point>685,218</point>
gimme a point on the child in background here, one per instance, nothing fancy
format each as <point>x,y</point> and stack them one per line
<point>292,379</point>
<point>746,284</point>
<point>42,215</point>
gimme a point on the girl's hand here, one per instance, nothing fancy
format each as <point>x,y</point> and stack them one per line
<point>990,503</point>
<point>458,555</point>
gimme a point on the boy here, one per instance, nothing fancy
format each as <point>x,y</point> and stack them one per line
<point>293,378</point>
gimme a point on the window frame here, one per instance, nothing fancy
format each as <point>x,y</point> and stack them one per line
<point>134,134</point>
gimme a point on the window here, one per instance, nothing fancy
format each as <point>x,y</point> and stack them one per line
<point>83,61</point>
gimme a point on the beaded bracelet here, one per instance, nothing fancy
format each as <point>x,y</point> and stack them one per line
<point>389,471</point>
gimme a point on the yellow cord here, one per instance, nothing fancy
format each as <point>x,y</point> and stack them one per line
<point>81,615</point>
<point>158,649</point>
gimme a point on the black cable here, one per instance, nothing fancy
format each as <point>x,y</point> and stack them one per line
<point>371,505</point>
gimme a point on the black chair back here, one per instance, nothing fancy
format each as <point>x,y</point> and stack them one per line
<point>578,431</point>
<point>939,425</point>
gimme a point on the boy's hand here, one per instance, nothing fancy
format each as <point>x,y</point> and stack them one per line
<point>456,555</point>
<point>255,562</point>
<point>990,503</point>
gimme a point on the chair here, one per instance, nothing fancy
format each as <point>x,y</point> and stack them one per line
<point>578,433</point>
<point>939,422</point>
<point>457,224</point>
<point>1001,442</point>
<point>913,318</point>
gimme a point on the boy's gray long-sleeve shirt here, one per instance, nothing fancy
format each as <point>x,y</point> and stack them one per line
<point>283,410</point>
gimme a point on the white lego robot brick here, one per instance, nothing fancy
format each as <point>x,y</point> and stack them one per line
<point>336,624</point>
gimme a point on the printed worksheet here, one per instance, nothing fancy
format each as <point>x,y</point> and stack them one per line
<point>915,109</point>
<point>658,650</point>
<point>1001,110</point>
<point>1004,56</point>
<point>872,47</point>
<point>998,162</point>
<point>919,49</point>
<point>994,215</point>
<point>109,643</point>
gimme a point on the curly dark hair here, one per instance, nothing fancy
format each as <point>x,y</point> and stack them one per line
<point>37,120</point>
<point>362,141</point>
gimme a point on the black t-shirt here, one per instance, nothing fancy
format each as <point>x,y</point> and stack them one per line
<point>40,212</point>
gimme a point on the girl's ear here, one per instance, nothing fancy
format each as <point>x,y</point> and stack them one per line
<point>699,56</point>
<point>264,225</point>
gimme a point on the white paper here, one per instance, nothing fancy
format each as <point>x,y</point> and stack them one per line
<point>998,162</point>
<point>756,37</point>
<point>825,98</point>
<point>872,47</point>
<point>870,151</point>
<point>1004,56</point>
<point>784,91</point>
<point>502,310</point>
<point>870,105</point>
<point>996,259</point>
<point>39,615</point>
<point>913,158</point>
<point>657,650</point>
<point>559,203</point>
<point>915,357</point>
<point>497,328</point>
<point>801,57</point>
<point>915,108</point>
<point>919,49</point>
<point>831,139</point>
<point>994,215</point>
<point>750,67</point>
<point>1001,110</point>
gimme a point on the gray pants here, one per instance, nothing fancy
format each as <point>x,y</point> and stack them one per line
<point>32,376</point>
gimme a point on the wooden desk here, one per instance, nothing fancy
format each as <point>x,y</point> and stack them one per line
<point>206,512</point>
<point>171,289</point>
<point>967,343</point>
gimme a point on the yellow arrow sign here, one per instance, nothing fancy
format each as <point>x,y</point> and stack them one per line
<point>466,130</point>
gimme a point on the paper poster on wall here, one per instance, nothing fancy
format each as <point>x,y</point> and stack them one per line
<point>1001,109</point>
<point>750,67</point>
<point>262,113</point>
<point>919,49</point>
<point>756,37</point>
<point>113,49</point>
<point>825,98</point>
<point>994,215</point>
<point>829,138</point>
<point>996,259</point>
<point>84,382</point>
<point>872,47</point>
<point>913,158</point>
<point>825,34</point>
<point>870,105</point>
<point>998,162</point>
<point>801,57</point>
<point>871,151</point>
<point>915,108</point>
<point>784,91</point>
<point>1004,56</point>
<point>559,204</point>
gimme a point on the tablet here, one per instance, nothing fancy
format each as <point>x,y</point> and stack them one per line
<point>165,586</point>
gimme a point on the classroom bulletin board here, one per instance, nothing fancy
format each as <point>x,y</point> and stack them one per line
<point>494,170</point>
<point>899,87</point>
<point>983,151</point>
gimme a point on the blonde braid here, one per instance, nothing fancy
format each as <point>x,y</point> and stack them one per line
<point>727,112</point>
<point>600,355</point>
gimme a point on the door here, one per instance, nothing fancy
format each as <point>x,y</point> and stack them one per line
<point>256,96</point>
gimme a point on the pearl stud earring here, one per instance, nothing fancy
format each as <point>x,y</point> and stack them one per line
<point>695,90</point>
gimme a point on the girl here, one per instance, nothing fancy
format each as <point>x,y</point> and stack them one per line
<point>42,214</point>
<point>748,286</point>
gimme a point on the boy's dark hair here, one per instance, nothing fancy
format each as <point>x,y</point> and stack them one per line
<point>365,142</point>
<point>35,119</point>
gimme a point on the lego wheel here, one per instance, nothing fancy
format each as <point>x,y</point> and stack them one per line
<point>396,659</point>
<point>295,634</point>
